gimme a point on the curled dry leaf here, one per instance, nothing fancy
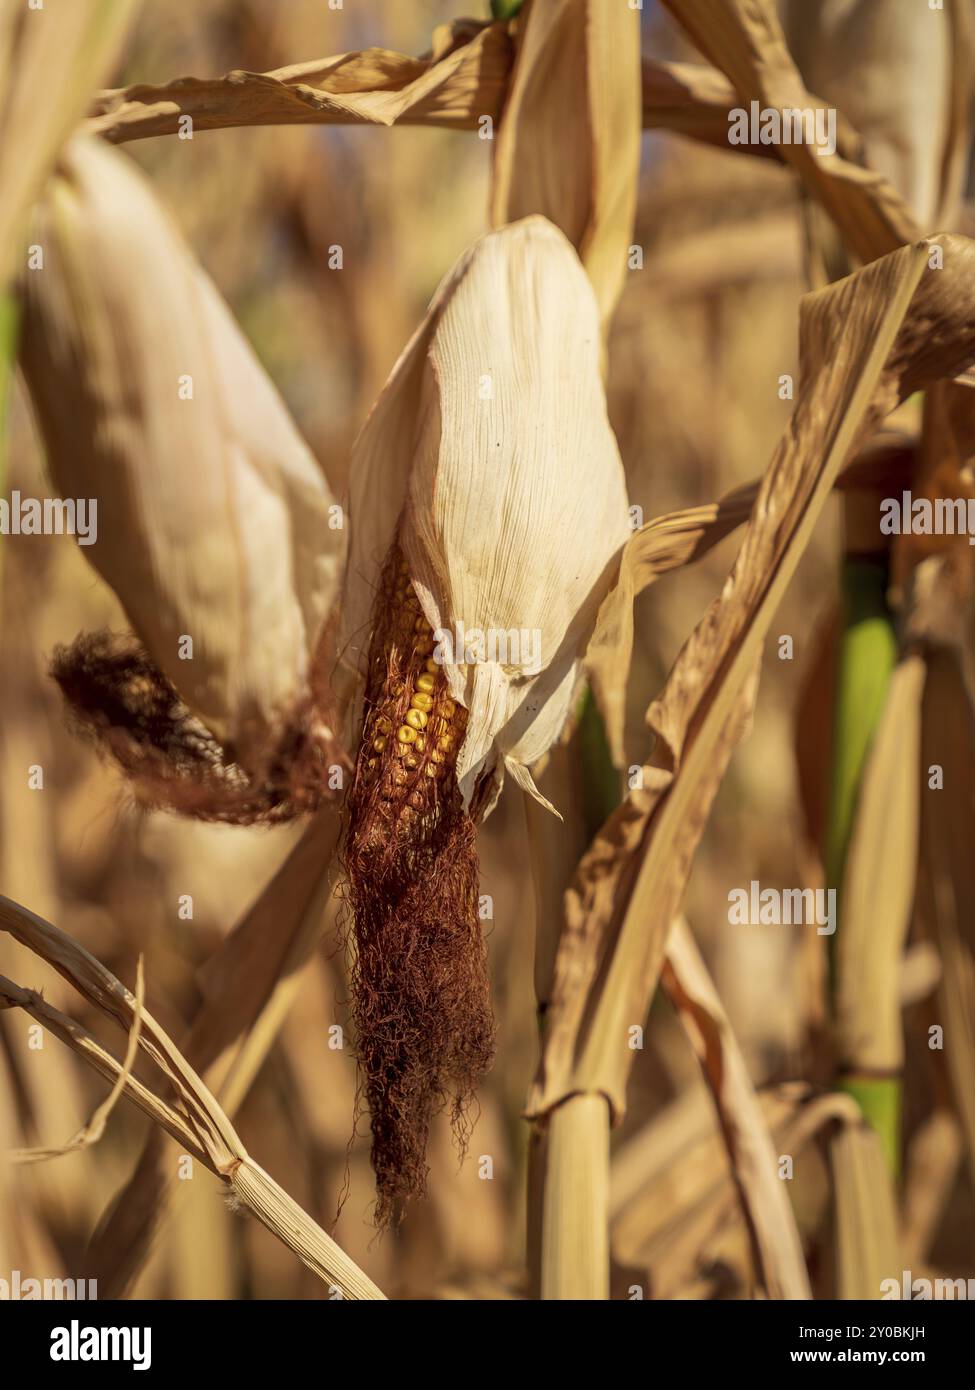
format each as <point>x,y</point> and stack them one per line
<point>575,85</point>
<point>463,79</point>
<point>744,39</point>
<point>151,402</point>
<point>865,343</point>
<point>50,59</point>
<point>666,543</point>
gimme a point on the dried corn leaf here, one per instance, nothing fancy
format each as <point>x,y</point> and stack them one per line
<point>666,543</point>
<point>196,1121</point>
<point>878,886</point>
<point>147,394</point>
<point>466,76</point>
<point>92,1131</point>
<point>865,343</point>
<point>680,538</point>
<point>51,59</point>
<point>463,79</point>
<point>753,1159</point>
<point>744,39</point>
<point>575,86</point>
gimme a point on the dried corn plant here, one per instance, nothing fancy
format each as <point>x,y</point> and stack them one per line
<point>414,682</point>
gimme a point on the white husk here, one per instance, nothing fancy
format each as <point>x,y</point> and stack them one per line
<point>213,516</point>
<point>491,439</point>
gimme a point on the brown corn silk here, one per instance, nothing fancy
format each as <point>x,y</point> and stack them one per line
<point>421,997</point>
<point>120,701</point>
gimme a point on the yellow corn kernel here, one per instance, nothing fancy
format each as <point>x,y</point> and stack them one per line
<point>426,683</point>
<point>421,700</point>
<point>383,725</point>
<point>432,769</point>
<point>416,718</point>
<point>449,709</point>
<point>434,666</point>
<point>445,743</point>
<point>421,742</point>
<point>405,734</point>
<point>378,744</point>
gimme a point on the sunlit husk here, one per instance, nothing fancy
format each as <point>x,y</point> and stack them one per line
<point>490,447</point>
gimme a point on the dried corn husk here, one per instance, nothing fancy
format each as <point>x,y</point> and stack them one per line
<point>490,448</point>
<point>213,516</point>
<point>575,86</point>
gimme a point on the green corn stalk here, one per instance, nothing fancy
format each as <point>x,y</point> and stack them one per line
<point>867,656</point>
